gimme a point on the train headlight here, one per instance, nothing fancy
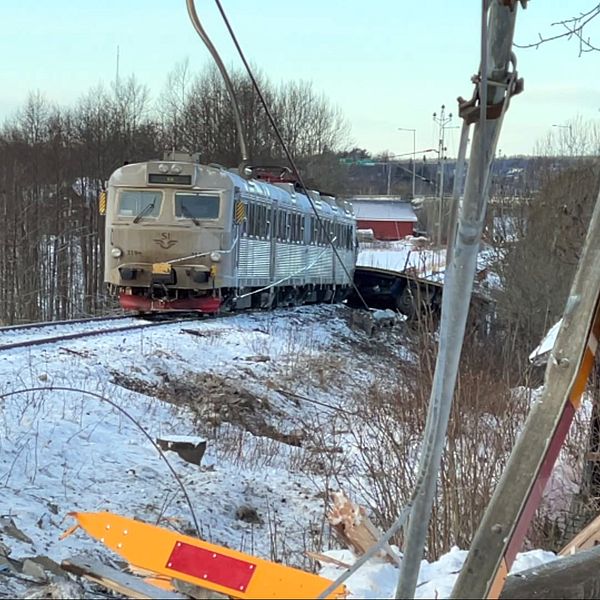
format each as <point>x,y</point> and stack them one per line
<point>117,252</point>
<point>176,169</point>
<point>215,256</point>
<point>163,168</point>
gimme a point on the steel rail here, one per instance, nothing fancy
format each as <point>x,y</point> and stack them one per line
<point>41,324</point>
<point>83,334</point>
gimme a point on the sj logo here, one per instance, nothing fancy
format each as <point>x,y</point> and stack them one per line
<point>165,241</point>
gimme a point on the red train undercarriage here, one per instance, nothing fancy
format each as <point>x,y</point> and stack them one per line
<point>204,304</point>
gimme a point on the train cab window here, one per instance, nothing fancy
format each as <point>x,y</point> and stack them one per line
<point>133,203</point>
<point>191,205</point>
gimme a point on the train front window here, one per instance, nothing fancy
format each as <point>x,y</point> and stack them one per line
<point>191,205</point>
<point>139,204</point>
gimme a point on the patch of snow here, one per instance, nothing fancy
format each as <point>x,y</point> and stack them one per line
<point>378,578</point>
<point>540,355</point>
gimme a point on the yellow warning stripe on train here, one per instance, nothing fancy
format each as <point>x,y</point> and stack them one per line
<point>239,212</point>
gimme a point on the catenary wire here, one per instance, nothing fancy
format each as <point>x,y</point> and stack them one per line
<point>283,144</point>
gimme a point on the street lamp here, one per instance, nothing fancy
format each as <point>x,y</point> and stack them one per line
<point>442,120</point>
<point>414,173</point>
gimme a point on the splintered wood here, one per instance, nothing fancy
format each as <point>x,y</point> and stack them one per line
<point>354,528</point>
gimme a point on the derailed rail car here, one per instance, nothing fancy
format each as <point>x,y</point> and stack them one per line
<point>186,236</point>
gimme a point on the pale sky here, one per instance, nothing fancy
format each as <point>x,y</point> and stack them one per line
<point>386,64</point>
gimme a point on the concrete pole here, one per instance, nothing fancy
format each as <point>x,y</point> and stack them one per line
<point>460,273</point>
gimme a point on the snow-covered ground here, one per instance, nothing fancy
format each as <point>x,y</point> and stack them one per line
<point>250,384</point>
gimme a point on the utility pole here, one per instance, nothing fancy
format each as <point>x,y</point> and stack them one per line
<point>495,85</point>
<point>414,169</point>
<point>442,120</point>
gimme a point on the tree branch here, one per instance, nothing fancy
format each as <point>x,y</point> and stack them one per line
<point>573,27</point>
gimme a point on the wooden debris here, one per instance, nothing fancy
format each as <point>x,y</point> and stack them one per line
<point>324,559</point>
<point>354,528</point>
<point>587,538</point>
<point>117,581</point>
<point>8,527</point>
<point>190,448</point>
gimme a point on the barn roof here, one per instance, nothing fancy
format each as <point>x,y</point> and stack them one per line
<point>383,210</point>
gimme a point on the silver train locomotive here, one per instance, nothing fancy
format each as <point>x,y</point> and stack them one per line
<point>186,236</point>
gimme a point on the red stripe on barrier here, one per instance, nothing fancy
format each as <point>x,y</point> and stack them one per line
<point>211,566</point>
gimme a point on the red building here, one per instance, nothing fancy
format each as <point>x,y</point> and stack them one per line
<point>389,219</point>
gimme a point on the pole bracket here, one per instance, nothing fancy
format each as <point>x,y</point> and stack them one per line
<point>511,3</point>
<point>469,110</point>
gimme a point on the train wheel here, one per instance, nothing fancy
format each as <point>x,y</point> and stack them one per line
<point>405,303</point>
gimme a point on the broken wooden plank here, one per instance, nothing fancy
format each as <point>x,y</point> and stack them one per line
<point>324,559</point>
<point>354,528</point>
<point>588,537</point>
<point>117,581</point>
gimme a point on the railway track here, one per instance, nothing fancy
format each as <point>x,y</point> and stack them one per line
<point>11,337</point>
<point>10,329</point>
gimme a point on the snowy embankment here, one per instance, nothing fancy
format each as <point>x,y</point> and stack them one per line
<point>250,384</point>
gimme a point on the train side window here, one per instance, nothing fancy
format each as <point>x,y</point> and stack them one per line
<point>262,223</point>
<point>278,225</point>
<point>251,220</point>
<point>131,203</point>
<point>258,220</point>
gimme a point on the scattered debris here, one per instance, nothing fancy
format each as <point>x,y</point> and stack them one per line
<point>258,358</point>
<point>8,527</point>
<point>248,514</point>
<point>69,590</point>
<point>189,448</point>
<point>112,579</point>
<point>370,321</point>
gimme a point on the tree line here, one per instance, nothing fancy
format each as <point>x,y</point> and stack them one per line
<point>55,159</point>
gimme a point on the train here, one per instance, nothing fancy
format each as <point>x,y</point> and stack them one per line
<point>181,235</point>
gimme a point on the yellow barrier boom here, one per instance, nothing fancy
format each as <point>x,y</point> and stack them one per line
<point>198,562</point>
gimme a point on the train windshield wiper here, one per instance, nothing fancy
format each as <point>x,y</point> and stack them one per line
<point>187,213</point>
<point>147,209</point>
